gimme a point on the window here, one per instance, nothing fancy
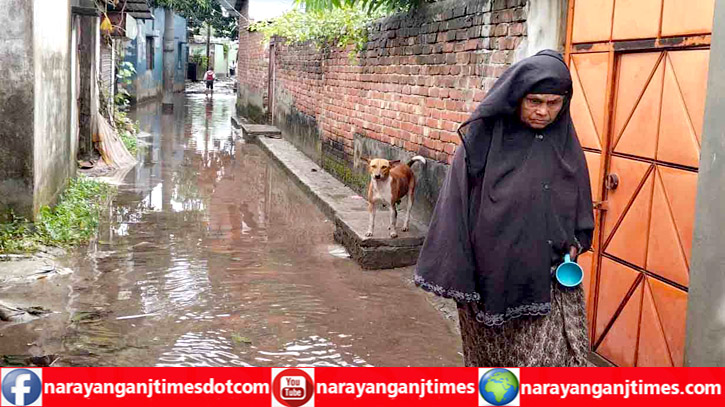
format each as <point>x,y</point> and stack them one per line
<point>150,53</point>
<point>180,56</point>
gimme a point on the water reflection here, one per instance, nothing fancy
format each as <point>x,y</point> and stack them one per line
<point>211,256</point>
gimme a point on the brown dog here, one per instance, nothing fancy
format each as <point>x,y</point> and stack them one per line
<point>390,181</point>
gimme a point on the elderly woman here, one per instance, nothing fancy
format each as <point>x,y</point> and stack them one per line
<point>516,199</point>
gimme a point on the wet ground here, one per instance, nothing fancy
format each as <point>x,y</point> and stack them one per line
<point>211,256</point>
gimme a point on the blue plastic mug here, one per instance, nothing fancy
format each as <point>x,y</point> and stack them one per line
<point>569,273</point>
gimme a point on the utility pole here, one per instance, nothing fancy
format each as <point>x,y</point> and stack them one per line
<point>167,102</point>
<point>208,47</point>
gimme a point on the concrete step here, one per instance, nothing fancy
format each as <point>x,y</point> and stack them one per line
<point>349,212</point>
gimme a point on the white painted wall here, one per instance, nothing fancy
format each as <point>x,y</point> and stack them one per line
<point>52,138</point>
<point>546,27</point>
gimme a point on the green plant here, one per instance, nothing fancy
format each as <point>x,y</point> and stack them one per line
<point>368,5</point>
<point>337,27</point>
<point>125,73</point>
<point>226,50</point>
<point>74,220</point>
<point>128,131</point>
<point>17,235</point>
<point>130,141</point>
<point>198,58</point>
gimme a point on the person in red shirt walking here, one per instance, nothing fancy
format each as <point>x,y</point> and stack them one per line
<point>209,76</point>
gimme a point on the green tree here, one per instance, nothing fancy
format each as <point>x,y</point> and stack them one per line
<point>336,27</point>
<point>369,5</point>
<point>201,14</point>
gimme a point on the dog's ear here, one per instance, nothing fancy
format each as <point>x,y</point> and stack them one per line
<point>367,160</point>
<point>394,163</point>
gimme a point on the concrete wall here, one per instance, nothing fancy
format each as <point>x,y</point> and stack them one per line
<point>221,62</point>
<point>233,51</point>
<point>74,79</point>
<point>545,27</point>
<point>148,83</point>
<point>51,49</point>
<point>181,53</point>
<point>35,86</point>
<point>17,74</point>
<point>705,338</point>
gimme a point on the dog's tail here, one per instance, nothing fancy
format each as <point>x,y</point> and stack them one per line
<point>416,158</point>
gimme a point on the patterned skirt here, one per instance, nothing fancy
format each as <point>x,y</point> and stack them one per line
<point>556,339</point>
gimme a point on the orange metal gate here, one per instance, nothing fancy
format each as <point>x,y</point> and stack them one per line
<point>640,71</point>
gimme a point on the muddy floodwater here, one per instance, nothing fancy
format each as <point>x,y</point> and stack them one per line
<point>210,255</point>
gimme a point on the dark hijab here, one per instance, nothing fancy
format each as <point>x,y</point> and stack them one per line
<point>514,201</point>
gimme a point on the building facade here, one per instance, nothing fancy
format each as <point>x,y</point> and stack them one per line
<point>37,140</point>
<point>145,53</point>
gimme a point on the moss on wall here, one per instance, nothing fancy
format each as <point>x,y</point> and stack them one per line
<point>358,182</point>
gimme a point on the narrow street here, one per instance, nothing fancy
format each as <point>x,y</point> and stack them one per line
<point>211,256</point>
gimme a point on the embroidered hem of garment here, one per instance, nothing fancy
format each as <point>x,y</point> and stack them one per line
<point>535,309</point>
<point>459,296</point>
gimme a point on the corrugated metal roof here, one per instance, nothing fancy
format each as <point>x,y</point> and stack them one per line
<point>136,8</point>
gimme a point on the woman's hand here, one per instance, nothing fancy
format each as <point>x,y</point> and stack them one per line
<point>573,253</point>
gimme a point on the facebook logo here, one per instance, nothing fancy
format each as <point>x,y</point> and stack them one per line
<point>22,387</point>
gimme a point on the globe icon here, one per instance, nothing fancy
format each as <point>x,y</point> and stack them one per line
<point>498,387</point>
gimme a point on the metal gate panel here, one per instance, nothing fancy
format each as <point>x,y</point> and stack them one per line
<point>687,17</point>
<point>671,305</point>
<point>635,19</point>
<point>593,20</point>
<point>616,281</point>
<point>638,136</point>
<point>619,342</point>
<point>683,108</point>
<point>670,235</point>
<point>652,349</point>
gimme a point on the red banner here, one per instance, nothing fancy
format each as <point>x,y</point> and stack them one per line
<point>301,387</point>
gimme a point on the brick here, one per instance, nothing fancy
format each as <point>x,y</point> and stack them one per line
<point>487,30</point>
<point>501,30</point>
<point>499,4</point>
<point>475,32</point>
<point>516,29</point>
<point>430,144</point>
<point>459,11</point>
<point>487,17</point>
<point>520,14</point>
<point>465,57</point>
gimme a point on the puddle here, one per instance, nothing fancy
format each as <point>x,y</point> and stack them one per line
<point>212,256</point>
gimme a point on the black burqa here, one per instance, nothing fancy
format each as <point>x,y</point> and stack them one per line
<point>515,199</point>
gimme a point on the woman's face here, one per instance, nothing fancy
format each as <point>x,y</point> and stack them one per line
<point>540,110</point>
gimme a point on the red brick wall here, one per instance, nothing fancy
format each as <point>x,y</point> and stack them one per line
<point>299,77</point>
<point>420,76</point>
<point>253,70</point>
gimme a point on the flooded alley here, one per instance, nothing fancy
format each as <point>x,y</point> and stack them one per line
<point>211,256</point>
